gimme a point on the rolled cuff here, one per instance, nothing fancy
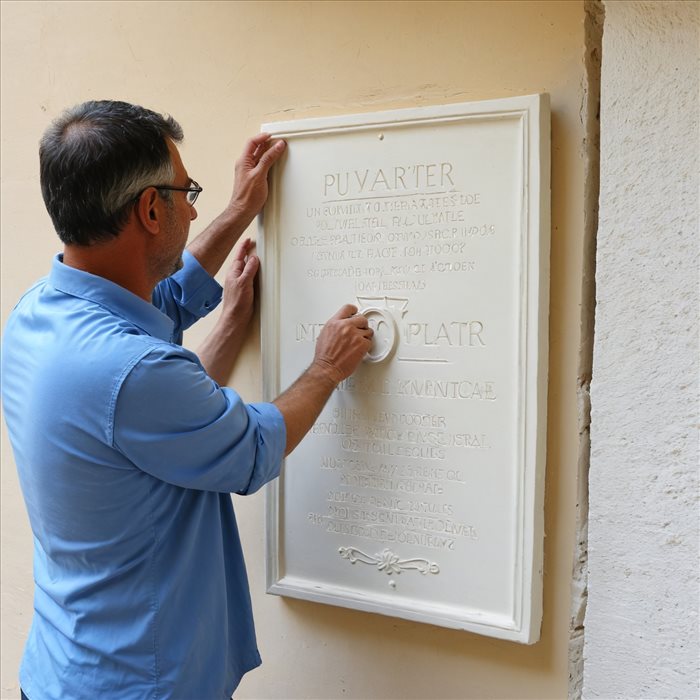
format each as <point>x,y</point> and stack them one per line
<point>188,295</point>
<point>272,440</point>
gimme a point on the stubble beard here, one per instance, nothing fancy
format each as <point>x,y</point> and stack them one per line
<point>178,265</point>
<point>170,259</point>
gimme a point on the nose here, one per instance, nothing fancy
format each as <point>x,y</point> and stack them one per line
<point>193,213</point>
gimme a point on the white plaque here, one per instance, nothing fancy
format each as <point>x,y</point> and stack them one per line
<point>419,491</point>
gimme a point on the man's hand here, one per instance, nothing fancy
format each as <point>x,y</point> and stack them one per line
<point>345,339</point>
<point>220,349</point>
<point>250,188</point>
<point>250,191</point>
<point>238,285</point>
<point>340,347</point>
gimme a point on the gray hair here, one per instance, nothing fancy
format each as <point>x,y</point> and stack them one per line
<point>96,159</point>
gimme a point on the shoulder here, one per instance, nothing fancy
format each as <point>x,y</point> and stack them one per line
<point>29,295</point>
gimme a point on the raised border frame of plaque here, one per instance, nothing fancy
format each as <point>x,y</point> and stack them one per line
<point>517,614</point>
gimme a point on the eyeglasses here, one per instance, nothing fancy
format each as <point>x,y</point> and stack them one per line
<point>192,191</point>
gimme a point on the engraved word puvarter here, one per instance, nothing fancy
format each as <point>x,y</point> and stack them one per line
<point>398,178</point>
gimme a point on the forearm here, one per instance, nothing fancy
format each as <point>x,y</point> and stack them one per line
<point>343,342</point>
<point>213,245</point>
<point>302,403</point>
<point>220,349</point>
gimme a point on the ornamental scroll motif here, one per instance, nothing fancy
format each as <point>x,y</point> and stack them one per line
<point>388,561</point>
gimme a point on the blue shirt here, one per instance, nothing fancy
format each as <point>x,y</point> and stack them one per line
<point>127,452</point>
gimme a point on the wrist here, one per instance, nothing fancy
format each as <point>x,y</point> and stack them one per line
<point>237,215</point>
<point>323,371</point>
<point>234,319</point>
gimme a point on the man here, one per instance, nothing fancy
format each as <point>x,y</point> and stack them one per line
<point>127,444</point>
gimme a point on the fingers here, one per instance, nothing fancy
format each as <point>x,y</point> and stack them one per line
<point>241,250</point>
<point>345,311</point>
<point>271,153</point>
<point>261,151</point>
<point>359,321</point>
<point>252,144</point>
<point>244,266</point>
<point>250,187</point>
<point>250,269</point>
<point>344,341</point>
<point>239,255</point>
<point>349,314</point>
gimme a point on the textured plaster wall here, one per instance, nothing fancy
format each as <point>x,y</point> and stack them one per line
<point>641,638</point>
<point>222,68</point>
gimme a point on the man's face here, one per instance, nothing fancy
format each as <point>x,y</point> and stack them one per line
<point>178,216</point>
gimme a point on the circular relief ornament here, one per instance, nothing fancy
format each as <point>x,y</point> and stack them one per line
<point>386,334</point>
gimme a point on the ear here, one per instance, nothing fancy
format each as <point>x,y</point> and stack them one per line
<point>149,210</point>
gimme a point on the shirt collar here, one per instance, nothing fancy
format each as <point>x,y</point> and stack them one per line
<point>113,297</point>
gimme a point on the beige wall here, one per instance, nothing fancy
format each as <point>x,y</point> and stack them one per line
<point>221,69</point>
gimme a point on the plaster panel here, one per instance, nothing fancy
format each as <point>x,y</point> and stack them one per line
<point>418,492</point>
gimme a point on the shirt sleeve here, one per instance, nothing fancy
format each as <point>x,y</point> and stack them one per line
<point>188,295</point>
<point>174,422</point>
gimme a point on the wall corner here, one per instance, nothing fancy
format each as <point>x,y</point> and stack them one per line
<point>590,118</point>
